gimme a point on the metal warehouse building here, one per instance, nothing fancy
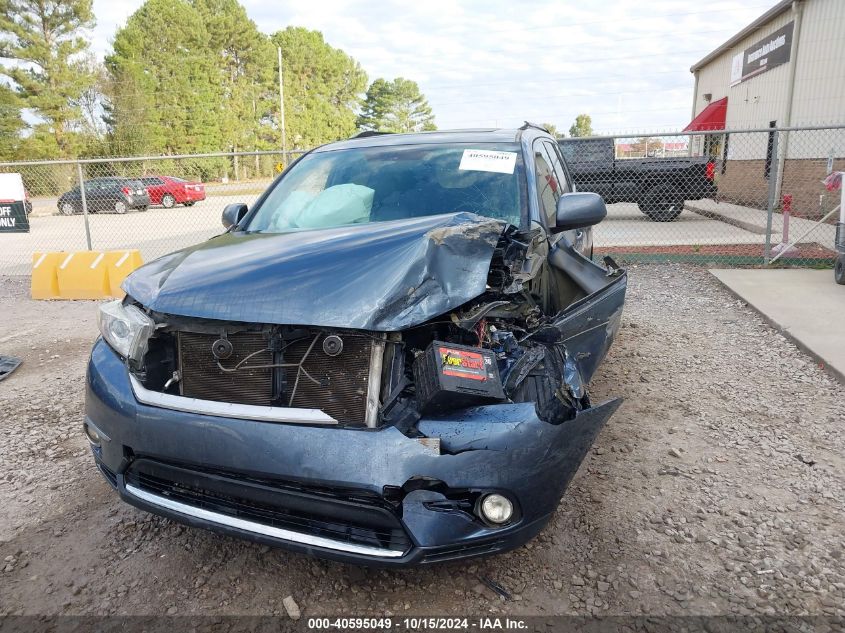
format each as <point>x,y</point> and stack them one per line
<point>785,69</point>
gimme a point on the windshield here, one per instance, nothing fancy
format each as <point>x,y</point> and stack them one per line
<point>375,184</point>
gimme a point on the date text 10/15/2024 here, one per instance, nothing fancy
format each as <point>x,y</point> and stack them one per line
<point>421,623</point>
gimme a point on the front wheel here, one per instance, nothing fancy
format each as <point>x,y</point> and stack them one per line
<point>662,203</point>
<point>839,270</point>
<point>67,208</point>
<point>168,201</point>
<point>120,207</point>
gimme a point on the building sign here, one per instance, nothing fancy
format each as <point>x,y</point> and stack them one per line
<point>766,54</point>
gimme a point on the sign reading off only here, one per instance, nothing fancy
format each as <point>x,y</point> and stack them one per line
<point>766,54</point>
<point>13,218</point>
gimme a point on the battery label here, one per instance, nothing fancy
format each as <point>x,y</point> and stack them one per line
<point>463,364</point>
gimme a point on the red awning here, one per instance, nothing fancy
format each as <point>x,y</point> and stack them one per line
<point>710,118</point>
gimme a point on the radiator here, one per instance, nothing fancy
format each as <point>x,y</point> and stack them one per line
<point>337,385</point>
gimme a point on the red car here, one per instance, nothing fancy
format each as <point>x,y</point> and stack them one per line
<point>168,191</point>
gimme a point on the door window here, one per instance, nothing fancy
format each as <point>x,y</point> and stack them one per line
<point>548,185</point>
<point>557,164</point>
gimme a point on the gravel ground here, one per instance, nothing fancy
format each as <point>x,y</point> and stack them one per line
<point>717,488</point>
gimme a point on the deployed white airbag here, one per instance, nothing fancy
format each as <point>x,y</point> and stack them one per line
<point>335,206</point>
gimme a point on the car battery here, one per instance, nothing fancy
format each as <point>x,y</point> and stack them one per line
<point>451,376</point>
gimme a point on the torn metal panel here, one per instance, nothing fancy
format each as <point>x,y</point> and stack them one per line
<point>382,276</point>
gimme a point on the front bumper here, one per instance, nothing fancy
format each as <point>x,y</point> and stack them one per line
<point>503,448</point>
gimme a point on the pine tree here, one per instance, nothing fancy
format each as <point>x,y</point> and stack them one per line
<point>396,106</point>
<point>245,61</point>
<point>322,88</point>
<point>11,124</point>
<point>165,85</point>
<point>43,41</point>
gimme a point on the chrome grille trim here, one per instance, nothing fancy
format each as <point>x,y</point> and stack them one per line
<point>259,528</point>
<point>228,409</point>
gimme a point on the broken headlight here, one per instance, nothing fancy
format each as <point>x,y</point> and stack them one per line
<point>126,329</point>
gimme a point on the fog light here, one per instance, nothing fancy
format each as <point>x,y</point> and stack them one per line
<point>91,434</point>
<point>496,509</point>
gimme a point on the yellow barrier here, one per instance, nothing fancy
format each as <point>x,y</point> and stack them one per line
<point>120,264</point>
<point>45,282</point>
<point>82,274</point>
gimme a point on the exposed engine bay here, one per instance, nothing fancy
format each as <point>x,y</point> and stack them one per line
<point>509,344</point>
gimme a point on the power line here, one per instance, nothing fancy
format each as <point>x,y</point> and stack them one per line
<point>709,11</point>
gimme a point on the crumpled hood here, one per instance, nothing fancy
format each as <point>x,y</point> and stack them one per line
<point>384,276</point>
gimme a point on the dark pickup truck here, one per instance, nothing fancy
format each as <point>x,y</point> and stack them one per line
<point>660,186</point>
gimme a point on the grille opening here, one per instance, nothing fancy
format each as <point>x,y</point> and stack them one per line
<point>300,511</point>
<point>336,384</point>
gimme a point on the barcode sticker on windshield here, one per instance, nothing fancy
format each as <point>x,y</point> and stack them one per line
<point>488,160</point>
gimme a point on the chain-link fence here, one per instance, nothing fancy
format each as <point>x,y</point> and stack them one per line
<point>154,204</point>
<point>727,198</point>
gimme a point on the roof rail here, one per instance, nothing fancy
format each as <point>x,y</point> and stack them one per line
<point>536,126</point>
<point>367,133</point>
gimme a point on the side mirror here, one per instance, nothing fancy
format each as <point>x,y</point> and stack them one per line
<point>578,210</point>
<point>233,213</point>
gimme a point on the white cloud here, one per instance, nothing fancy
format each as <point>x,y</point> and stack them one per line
<point>500,62</point>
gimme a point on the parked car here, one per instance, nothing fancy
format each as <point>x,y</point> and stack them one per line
<point>112,194</point>
<point>168,191</point>
<point>659,186</point>
<point>384,361</point>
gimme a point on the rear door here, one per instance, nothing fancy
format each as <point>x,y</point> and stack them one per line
<point>155,187</point>
<point>95,195</point>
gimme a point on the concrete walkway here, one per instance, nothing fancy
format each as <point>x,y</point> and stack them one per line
<point>806,305</point>
<point>754,221</point>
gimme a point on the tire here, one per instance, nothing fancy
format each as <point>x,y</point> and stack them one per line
<point>67,208</point>
<point>168,201</point>
<point>662,203</point>
<point>190,203</point>
<point>839,270</point>
<point>120,207</point>
<point>142,209</point>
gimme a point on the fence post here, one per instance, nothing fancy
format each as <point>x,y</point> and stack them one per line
<point>770,207</point>
<point>84,204</point>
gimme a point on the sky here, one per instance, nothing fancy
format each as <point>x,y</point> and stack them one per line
<point>499,63</point>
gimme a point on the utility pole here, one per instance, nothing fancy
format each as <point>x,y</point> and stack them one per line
<point>282,110</point>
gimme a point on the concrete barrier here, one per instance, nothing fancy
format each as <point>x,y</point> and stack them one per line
<point>82,274</point>
<point>120,264</point>
<point>44,282</point>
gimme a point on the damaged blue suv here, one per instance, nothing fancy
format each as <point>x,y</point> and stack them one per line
<point>384,361</point>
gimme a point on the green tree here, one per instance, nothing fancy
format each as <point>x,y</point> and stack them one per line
<point>322,86</point>
<point>164,83</point>
<point>246,63</point>
<point>43,41</point>
<point>583,126</point>
<point>552,128</point>
<point>396,106</point>
<point>11,124</point>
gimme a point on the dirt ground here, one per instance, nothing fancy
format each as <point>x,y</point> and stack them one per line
<point>717,488</point>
